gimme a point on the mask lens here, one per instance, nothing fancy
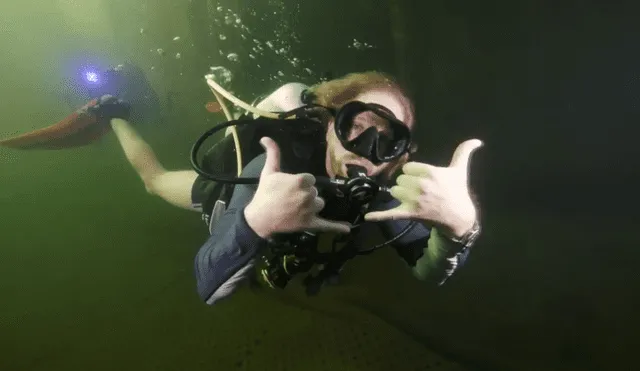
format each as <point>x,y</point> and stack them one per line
<point>365,120</point>
<point>368,127</point>
<point>391,138</point>
<point>385,147</point>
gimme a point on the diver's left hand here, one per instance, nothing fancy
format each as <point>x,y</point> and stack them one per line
<point>109,107</point>
<point>436,195</point>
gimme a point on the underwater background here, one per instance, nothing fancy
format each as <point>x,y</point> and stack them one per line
<point>97,274</point>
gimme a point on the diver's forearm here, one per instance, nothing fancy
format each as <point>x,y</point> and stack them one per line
<point>138,152</point>
<point>126,135</point>
<point>441,259</point>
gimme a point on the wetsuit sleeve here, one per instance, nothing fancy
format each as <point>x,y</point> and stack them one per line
<point>226,258</point>
<point>431,256</point>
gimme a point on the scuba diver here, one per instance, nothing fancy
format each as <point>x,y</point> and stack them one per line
<point>349,136</point>
<point>355,127</point>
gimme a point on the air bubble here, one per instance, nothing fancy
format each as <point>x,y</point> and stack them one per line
<point>358,45</point>
<point>221,74</point>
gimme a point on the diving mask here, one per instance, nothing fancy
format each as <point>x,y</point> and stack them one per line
<point>367,129</point>
<point>371,131</point>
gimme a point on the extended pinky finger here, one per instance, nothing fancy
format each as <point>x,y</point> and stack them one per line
<point>319,224</point>
<point>399,213</point>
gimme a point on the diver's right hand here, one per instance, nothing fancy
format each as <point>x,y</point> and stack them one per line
<point>286,203</point>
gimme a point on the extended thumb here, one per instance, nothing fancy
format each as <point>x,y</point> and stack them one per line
<point>272,163</point>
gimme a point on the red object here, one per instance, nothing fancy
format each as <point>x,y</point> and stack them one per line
<point>213,107</point>
<point>78,129</point>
